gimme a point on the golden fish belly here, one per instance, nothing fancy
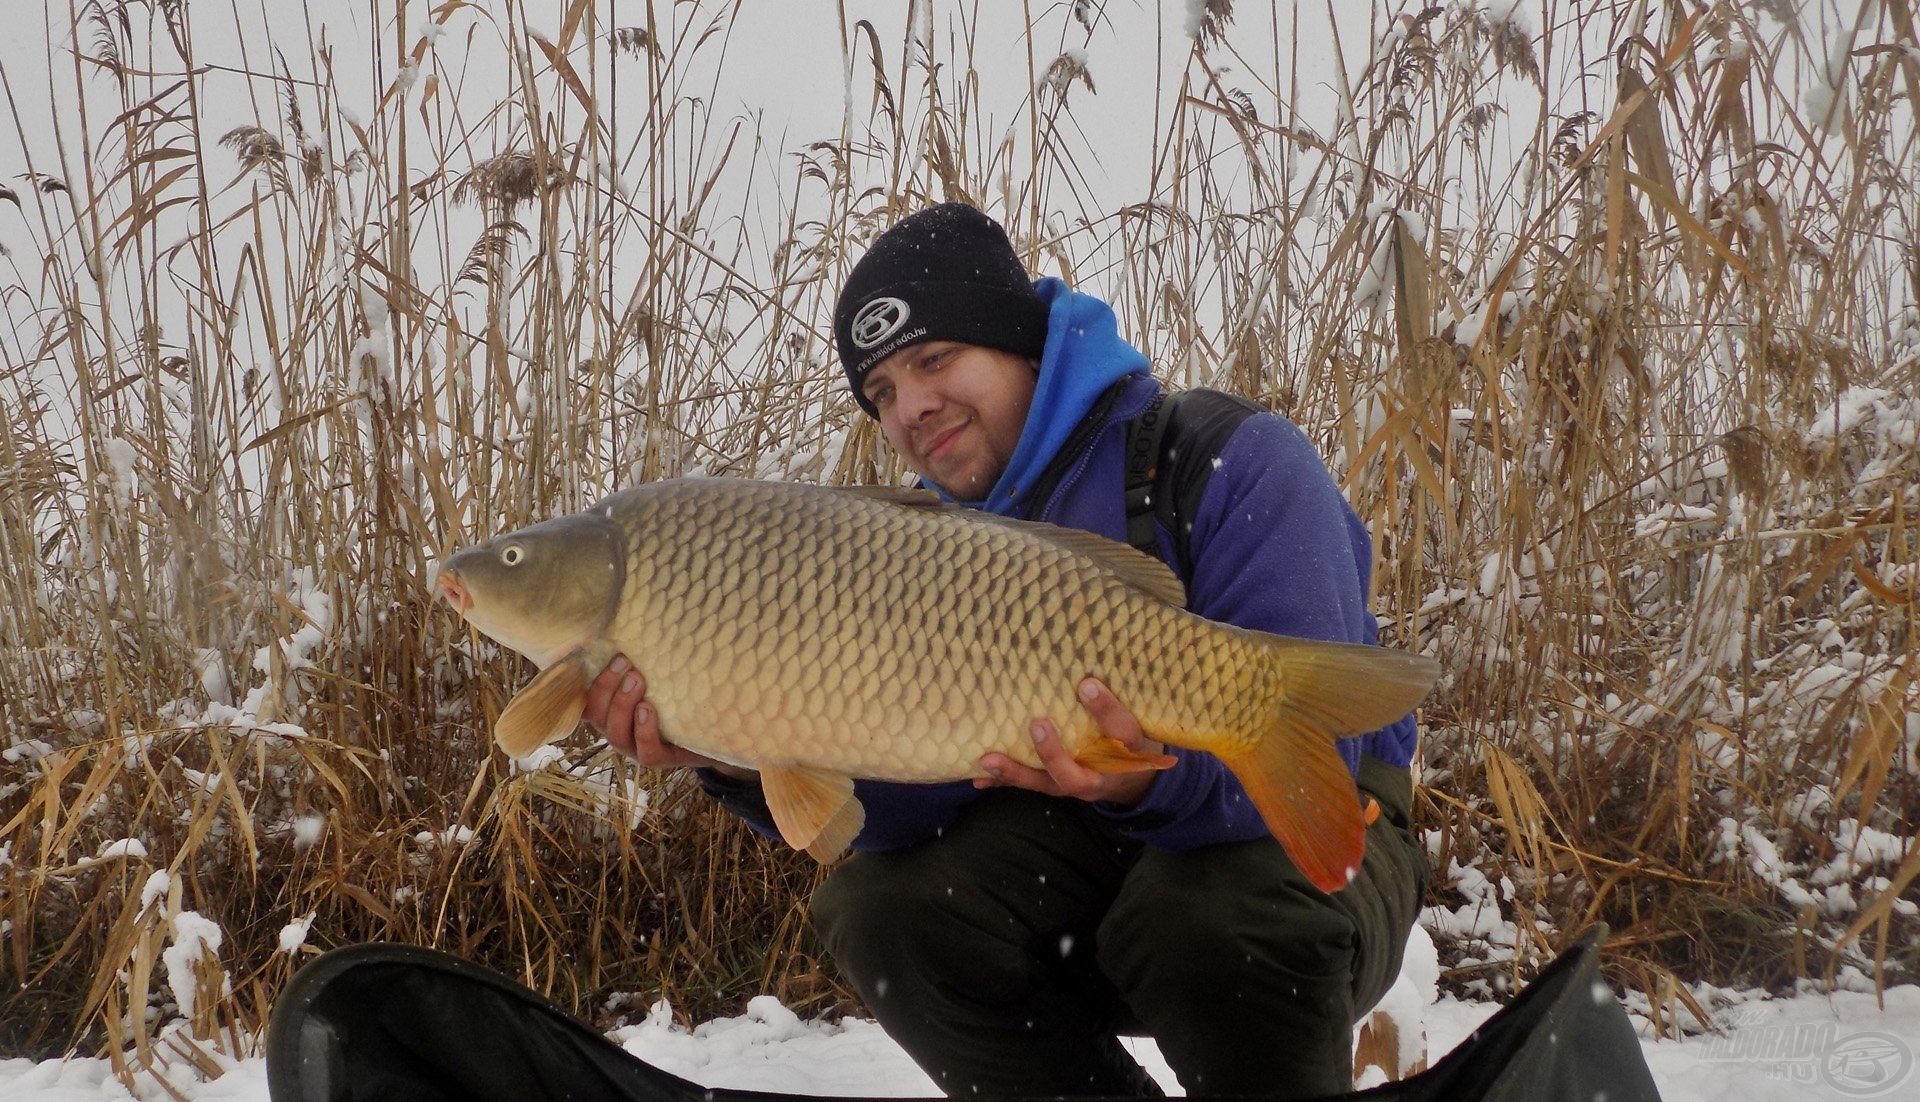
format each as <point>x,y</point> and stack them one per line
<point>787,625</point>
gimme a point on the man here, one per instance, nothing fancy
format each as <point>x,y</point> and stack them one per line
<point>1006,930</point>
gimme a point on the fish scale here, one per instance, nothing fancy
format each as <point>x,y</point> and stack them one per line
<point>948,619</point>
<point>820,634</point>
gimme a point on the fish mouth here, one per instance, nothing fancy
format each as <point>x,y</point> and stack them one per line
<point>452,590</point>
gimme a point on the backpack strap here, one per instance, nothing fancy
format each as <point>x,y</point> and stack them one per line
<point>1144,448</point>
<point>1188,431</point>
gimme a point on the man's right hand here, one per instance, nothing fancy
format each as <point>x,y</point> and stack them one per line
<point>618,711</point>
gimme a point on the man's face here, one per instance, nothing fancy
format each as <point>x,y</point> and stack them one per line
<point>954,411</point>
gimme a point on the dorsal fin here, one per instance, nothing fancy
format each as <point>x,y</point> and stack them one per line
<point>1141,571</point>
<point>910,496</point>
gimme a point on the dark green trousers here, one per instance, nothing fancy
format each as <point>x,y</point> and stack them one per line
<point>1008,955</point>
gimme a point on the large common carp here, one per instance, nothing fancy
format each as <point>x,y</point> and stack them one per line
<point>819,634</point>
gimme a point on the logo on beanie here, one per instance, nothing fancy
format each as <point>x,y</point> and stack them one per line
<point>877,321</point>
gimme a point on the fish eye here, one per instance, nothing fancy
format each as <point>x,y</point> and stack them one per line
<point>512,554</point>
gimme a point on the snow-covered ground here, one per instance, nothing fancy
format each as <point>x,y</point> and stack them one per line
<point>1840,1046</point>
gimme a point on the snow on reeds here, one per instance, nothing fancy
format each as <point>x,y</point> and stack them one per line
<point>1611,332</point>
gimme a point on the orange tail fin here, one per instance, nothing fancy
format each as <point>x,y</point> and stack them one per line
<point>1294,775</point>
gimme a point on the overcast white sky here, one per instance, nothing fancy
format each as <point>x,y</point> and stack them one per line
<point>782,67</point>
<point>783,61</point>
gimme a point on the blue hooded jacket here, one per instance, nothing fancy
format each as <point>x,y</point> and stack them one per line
<point>1275,548</point>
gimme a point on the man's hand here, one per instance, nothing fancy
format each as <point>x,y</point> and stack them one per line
<point>617,709</point>
<point>1063,776</point>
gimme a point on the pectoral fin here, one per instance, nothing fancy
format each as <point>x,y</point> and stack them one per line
<point>1105,755</point>
<point>546,710</point>
<point>815,809</point>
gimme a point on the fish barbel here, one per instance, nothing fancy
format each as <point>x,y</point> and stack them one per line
<point>819,634</point>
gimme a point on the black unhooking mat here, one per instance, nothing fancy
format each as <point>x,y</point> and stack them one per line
<point>399,1023</point>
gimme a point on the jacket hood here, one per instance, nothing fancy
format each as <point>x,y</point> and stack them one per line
<point>1084,355</point>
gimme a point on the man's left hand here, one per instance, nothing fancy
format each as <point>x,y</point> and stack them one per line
<point>1063,776</point>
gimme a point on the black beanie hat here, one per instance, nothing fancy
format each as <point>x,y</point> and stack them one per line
<point>947,273</point>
